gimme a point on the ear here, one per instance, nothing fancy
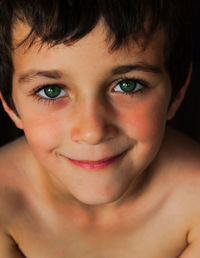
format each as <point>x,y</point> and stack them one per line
<point>179,97</point>
<point>15,118</point>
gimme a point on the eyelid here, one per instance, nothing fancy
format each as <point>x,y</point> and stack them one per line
<point>47,100</point>
<point>37,89</point>
<point>46,97</point>
<point>142,82</point>
<point>42,87</point>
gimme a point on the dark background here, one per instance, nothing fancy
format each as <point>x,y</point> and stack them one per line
<point>187,118</point>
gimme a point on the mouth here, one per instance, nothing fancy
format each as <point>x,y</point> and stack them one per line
<point>97,164</point>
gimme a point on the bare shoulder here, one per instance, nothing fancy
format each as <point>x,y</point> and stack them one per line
<point>178,176</point>
<point>11,194</point>
<point>15,180</point>
<point>178,171</point>
<point>182,153</point>
<point>184,156</point>
<point>10,152</point>
<point>11,174</point>
<point>12,160</point>
<point>182,171</point>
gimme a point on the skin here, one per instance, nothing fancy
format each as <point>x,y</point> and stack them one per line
<point>93,119</point>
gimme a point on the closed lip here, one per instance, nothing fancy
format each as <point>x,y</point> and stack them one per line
<point>95,164</point>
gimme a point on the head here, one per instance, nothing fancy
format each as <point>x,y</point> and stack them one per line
<point>88,51</point>
<point>56,22</point>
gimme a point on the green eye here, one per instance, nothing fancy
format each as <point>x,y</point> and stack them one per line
<point>128,85</point>
<point>52,91</point>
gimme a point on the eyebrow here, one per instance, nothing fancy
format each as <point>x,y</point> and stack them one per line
<point>55,74</point>
<point>52,74</point>
<point>145,67</point>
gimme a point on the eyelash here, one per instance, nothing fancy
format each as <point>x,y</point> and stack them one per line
<point>39,98</point>
<point>142,82</point>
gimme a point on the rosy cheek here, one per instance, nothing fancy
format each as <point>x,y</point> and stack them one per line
<point>143,121</point>
<point>42,132</point>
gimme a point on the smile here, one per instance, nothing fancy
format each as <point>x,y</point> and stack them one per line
<point>99,164</point>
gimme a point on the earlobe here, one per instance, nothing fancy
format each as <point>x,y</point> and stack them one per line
<point>179,97</point>
<point>16,119</point>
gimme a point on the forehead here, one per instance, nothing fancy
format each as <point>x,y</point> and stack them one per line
<point>94,48</point>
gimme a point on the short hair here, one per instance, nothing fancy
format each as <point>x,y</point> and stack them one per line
<point>67,21</point>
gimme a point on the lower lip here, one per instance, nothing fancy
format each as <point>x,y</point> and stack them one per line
<point>97,165</point>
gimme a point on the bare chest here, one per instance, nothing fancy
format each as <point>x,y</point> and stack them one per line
<point>151,239</point>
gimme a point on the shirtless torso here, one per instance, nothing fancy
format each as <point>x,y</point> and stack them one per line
<point>161,221</point>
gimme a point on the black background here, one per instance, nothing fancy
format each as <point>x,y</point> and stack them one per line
<point>187,118</point>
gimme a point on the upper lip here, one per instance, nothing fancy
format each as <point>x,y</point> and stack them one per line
<point>93,162</point>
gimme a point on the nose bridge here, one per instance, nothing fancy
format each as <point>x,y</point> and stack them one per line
<point>93,123</point>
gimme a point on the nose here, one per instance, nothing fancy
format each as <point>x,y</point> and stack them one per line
<point>93,124</point>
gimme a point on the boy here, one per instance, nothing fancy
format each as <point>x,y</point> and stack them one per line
<point>92,84</point>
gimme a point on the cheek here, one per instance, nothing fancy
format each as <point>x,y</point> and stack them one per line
<point>42,132</point>
<point>144,121</point>
<point>42,123</point>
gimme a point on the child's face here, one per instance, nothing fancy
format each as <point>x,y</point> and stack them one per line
<point>90,117</point>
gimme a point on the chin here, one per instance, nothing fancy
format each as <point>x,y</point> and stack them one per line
<point>98,197</point>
